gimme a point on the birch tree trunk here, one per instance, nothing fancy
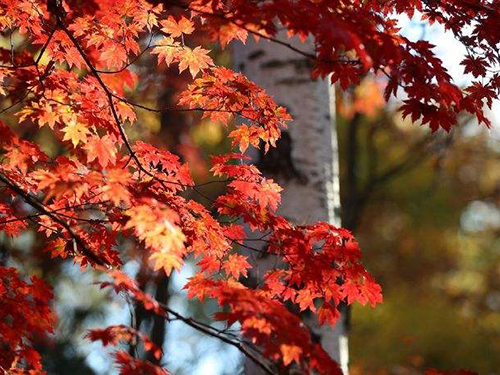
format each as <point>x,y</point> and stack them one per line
<point>305,162</point>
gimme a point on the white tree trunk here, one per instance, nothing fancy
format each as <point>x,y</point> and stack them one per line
<point>312,194</point>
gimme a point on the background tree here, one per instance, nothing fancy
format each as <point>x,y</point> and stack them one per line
<point>305,161</point>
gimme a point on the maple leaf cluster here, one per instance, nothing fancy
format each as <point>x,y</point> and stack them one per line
<point>354,38</point>
<point>73,78</point>
<point>18,328</point>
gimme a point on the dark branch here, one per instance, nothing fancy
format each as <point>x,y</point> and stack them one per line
<point>33,202</point>
<point>221,335</point>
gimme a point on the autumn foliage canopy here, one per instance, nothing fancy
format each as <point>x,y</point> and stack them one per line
<point>73,76</point>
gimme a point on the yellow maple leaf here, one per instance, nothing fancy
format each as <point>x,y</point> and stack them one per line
<point>75,132</point>
<point>166,260</point>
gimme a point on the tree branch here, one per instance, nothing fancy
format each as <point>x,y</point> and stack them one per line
<point>213,332</point>
<point>33,202</point>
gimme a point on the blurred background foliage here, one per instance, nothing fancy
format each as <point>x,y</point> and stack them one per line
<point>424,207</point>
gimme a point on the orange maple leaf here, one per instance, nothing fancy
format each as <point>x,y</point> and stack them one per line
<point>269,194</point>
<point>194,59</point>
<point>177,28</point>
<point>230,31</point>
<point>49,116</point>
<point>236,265</point>
<point>103,149</point>
<point>167,50</point>
<point>290,353</point>
<point>305,299</point>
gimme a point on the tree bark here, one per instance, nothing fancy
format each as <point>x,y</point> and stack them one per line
<point>305,163</point>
